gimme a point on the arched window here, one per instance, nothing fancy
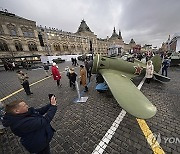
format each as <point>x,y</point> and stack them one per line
<point>18,46</point>
<point>46,47</point>
<point>30,32</point>
<point>1,31</point>
<point>73,47</point>
<point>12,30</point>
<point>27,32</point>
<point>57,47</point>
<point>3,46</point>
<point>79,47</point>
<point>32,46</point>
<point>65,47</point>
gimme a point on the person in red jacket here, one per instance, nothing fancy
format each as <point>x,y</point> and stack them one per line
<point>56,74</point>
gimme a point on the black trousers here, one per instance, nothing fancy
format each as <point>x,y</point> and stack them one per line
<point>148,80</point>
<point>26,87</point>
<point>58,82</point>
<point>164,69</point>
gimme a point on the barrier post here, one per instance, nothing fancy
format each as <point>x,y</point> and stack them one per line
<point>80,99</point>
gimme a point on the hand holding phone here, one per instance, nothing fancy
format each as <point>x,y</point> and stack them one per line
<point>52,99</point>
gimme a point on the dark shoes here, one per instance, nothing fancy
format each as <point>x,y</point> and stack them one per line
<point>30,93</point>
<point>86,89</point>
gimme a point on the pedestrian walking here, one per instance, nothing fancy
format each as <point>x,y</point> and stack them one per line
<point>86,63</point>
<point>56,74</point>
<point>165,65</point>
<point>46,69</point>
<point>6,66</point>
<point>75,62</point>
<point>149,71</point>
<point>2,112</point>
<point>72,78</point>
<point>13,66</point>
<point>23,78</point>
<point>31,125</point>
<point>83,77</point>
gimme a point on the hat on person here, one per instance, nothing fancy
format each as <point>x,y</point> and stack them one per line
<point>71,70</point>
<point>54,64</point>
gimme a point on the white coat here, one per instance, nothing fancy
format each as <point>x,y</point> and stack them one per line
<point>149,70</point>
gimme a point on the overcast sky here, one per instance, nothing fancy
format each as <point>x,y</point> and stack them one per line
<point>146,21</point>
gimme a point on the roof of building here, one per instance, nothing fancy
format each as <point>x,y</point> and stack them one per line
<point>84,27</point>
<point>132,41</point>
<point>115,35</point>
<point>5,13</point>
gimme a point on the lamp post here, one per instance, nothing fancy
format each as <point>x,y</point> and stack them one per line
<point>91,49</point>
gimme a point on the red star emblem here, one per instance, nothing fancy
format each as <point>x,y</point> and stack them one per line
<point>138,69</point>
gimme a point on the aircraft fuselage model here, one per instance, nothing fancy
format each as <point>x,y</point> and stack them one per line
<point>118,74</point>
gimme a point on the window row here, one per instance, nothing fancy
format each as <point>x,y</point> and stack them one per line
<point>4,47</point>
<point>66,47</point>
<point>27,32</point>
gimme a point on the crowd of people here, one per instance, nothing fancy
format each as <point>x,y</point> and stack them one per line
<point>9,65</point>
<point>18,116</point>
<point>150,67</point>
<point>33,125</point>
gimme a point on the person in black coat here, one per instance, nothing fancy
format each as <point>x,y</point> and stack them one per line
<point>72,78</point>
<point>30,125</point>
<point>46,69</point>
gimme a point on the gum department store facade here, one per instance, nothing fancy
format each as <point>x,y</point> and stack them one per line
<point>21,37</point>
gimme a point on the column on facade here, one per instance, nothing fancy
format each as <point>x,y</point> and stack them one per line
<point>5,29</point>
<point>19,31</point>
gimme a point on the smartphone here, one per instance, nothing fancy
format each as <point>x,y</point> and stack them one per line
<point>50,95</point>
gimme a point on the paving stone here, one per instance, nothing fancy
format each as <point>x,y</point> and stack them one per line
<point>81,151</point>
<point>63,152</point>
<point>84,125</point>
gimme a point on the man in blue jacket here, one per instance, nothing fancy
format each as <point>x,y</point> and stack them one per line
<point>165,65</point>
<point>30,125</point>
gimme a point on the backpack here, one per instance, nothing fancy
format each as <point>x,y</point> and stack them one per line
<point>68,74</point>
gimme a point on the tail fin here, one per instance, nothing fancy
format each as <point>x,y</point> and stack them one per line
<point>157,63</point>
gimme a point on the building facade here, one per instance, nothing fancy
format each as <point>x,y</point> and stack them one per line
<point>174,43</point>
<point>18,36</point>
<point>21,37</point>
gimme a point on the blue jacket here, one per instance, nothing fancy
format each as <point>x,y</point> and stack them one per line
<point>166,63</point>
<point>32,127</point>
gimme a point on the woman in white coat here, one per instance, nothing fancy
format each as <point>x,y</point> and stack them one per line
<point>149,71</point>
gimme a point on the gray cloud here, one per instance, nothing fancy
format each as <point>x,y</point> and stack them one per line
<point>146,21</point>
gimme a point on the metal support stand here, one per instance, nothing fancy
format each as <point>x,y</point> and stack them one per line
<point>80,99</point>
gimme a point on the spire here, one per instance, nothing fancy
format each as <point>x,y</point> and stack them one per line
<point>114,34</point>
<point>169,38</point>
<point>120,37</point>
<point>83,27</point>
<point>132,41</point>
<point>114,31</point>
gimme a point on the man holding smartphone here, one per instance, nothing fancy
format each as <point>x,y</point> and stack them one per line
<point>31,125</point>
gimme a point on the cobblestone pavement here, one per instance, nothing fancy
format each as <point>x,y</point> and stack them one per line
<point>81,126</point>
